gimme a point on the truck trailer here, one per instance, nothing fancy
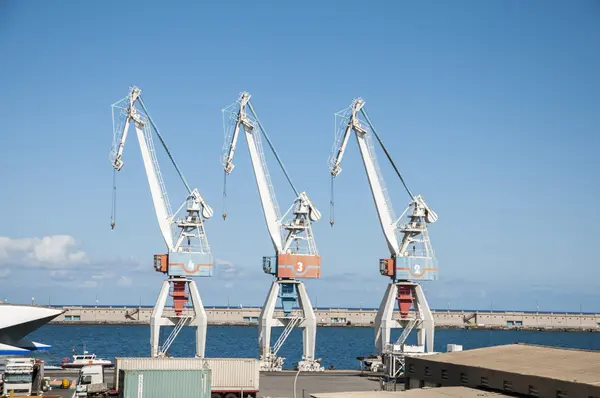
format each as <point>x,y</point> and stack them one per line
<point>230,377</point>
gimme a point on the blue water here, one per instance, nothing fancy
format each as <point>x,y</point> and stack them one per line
<point>337,346</point>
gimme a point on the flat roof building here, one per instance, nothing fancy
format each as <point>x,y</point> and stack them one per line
<point>535,371</point>
<point>442,392</point>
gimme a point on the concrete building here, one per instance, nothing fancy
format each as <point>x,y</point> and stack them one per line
<point>528,370</point>
<point>345,317</point>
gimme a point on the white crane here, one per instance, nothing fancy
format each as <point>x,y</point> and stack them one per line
<point>296,254</point>
<point>188,250</point>
<point>412,258</point>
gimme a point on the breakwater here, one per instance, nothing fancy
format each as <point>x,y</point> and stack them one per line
<point>119,315</point>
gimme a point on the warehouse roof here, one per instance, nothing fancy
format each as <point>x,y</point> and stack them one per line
<point>441,392</point>
<point>579,366</point>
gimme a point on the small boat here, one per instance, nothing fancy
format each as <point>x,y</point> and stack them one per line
<point>81,360</point>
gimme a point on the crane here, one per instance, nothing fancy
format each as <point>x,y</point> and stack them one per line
<point>188,253</point>
<point>412,258</point>
<point>296,255</point>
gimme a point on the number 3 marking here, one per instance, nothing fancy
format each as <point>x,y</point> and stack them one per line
<point>299,267</point>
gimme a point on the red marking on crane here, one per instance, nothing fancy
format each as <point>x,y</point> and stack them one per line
<point>405,299</point>
<point>298,266</point>
<point>180,297</point>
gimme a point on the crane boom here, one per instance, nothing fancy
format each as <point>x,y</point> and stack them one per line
<point>259,165</point>
<point>383,204</point>
<point>158,192</point>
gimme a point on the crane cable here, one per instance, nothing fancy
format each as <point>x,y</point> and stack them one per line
<point>113,213</point>
<point>362,110</point>
<point>164,144</point>
<point>264,133</point>
<point>387,154</point>
<point>224,195</point>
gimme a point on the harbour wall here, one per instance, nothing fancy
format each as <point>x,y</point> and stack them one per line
<point>344,317</point>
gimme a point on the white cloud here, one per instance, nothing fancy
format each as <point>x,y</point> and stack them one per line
<point>227,270</point>
<point>124,281</point>
<point>224,265</point>
<point>51,252</point>
<point>103,275</point>
<point>4,273</point>
<point>88,284</point>
<point>61,275</point>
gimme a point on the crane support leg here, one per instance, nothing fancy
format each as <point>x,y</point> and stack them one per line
<point>179,320</point>
<point>425,334</point>
<point>399,291</point>
<point>156,319</point>
<point>200,319</point>
<point>266,321</point>
<point>309,333</point>
<point>305,319</point>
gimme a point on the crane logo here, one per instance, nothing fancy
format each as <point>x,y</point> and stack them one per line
<point>299,266</point>
<point>190,265</point>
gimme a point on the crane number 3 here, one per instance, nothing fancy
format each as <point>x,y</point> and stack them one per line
<point>299,266</point>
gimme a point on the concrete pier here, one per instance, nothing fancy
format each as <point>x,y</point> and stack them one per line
<point>346,317</point>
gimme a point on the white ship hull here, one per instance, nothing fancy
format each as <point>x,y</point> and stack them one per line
<point>17,321</point>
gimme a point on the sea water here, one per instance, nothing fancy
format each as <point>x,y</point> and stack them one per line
<point>337,346</point>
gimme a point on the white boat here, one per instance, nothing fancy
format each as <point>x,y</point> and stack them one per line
<point>17,321</point>
<point>81,360</point>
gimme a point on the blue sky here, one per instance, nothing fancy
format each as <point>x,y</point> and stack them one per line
<point>490,109</point>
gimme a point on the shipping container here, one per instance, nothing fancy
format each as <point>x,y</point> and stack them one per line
<point>229,375</point>
<point>164,383</point>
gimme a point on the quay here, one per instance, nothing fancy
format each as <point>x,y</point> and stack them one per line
<point>557,321</point>
<point>511,370</point>
<point>272,384</point>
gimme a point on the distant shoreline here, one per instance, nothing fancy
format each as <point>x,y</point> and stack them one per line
<point>337,317</point>
<point>328,325</point>
<point>365,309</point>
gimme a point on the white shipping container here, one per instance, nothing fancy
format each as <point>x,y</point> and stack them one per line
<point>228,374</point>
<point>454,347</point>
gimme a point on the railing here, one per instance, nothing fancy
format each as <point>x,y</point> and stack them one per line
<point>167,344</point>
<point>286,332</point>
